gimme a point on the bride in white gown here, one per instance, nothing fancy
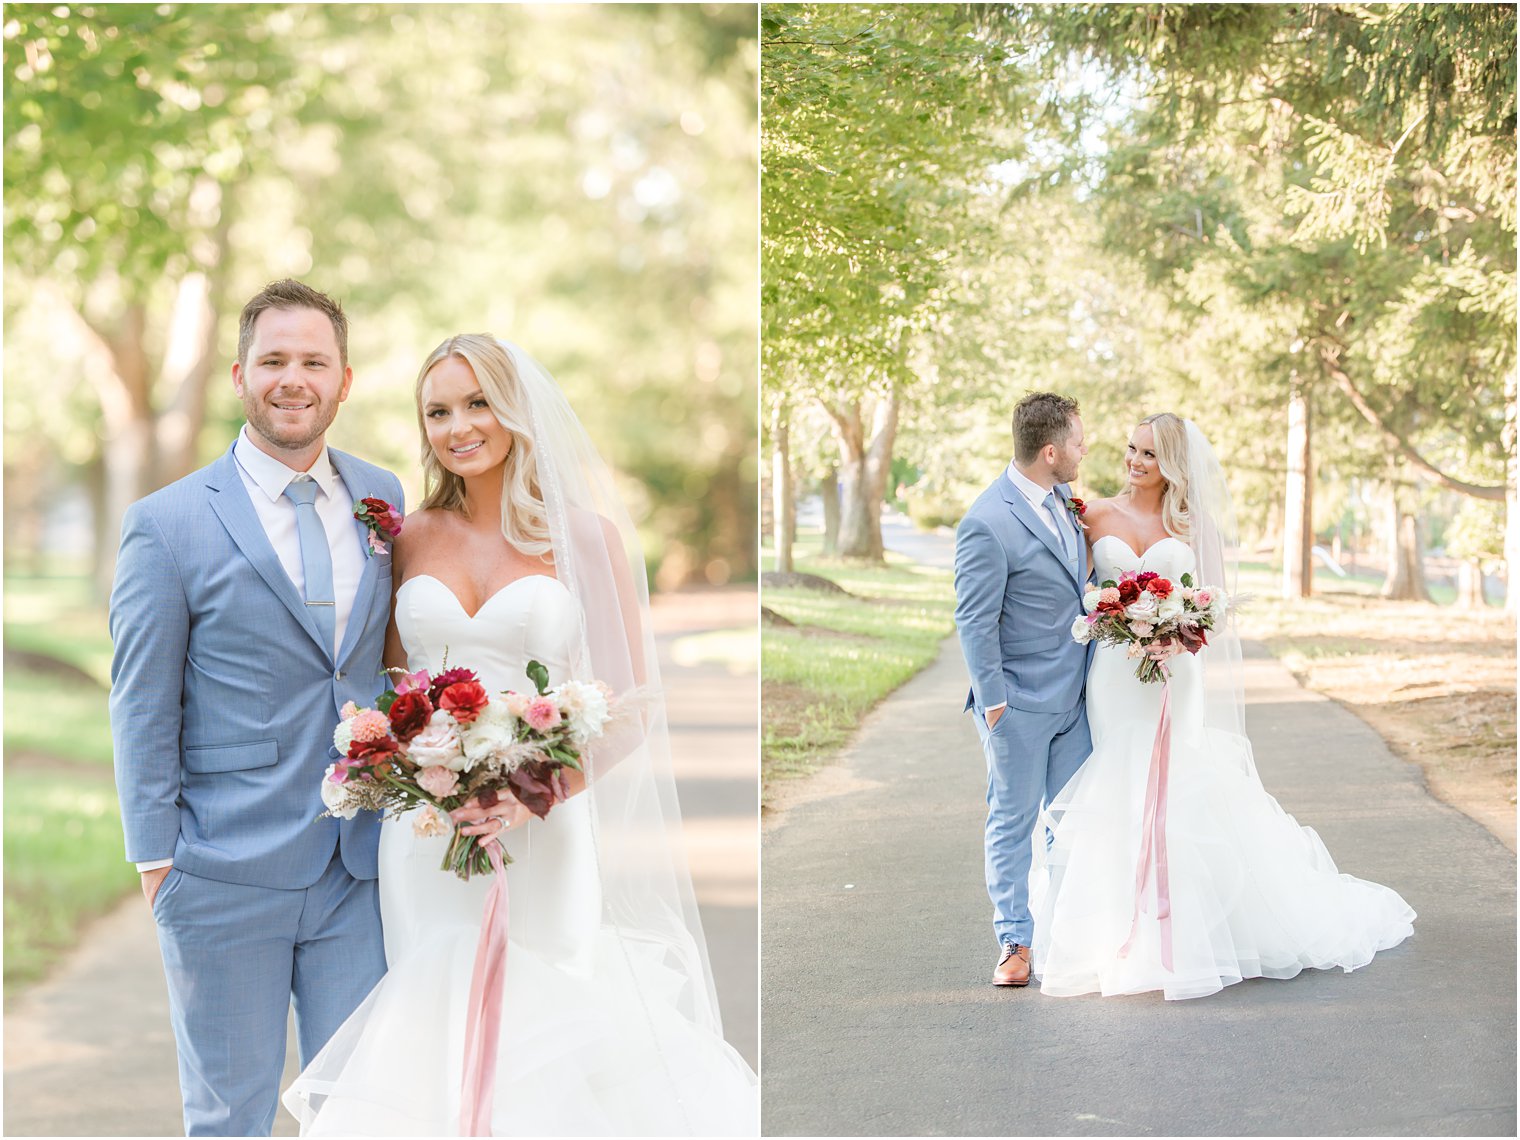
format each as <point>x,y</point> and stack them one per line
<point>609,1022</point>
<point>1249,892</point>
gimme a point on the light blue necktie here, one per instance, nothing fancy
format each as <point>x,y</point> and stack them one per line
<point>316,557</point>
<point>1061,531</point>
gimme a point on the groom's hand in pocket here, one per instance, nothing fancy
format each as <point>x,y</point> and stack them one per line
<point>994,715</point>
<point>151,881</point>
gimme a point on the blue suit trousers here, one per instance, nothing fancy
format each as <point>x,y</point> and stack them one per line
<point>236,956</point>
<point>1030,756</point>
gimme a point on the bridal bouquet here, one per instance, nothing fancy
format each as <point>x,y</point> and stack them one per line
<point>440,741</point>
<point>1153,617</point>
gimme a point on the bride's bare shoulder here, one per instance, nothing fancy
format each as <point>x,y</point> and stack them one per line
<point>420,529</point>
<point>1098,510</point>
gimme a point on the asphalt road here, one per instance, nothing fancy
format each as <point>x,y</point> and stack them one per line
<point>89,1051</point>
<point>880,1019</point>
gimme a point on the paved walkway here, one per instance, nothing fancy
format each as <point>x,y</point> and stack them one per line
<point>89,1052</point>
<point>880,1020</point>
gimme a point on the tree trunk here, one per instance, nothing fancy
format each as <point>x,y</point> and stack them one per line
<point>151,417</point>
<point>829,489</point>
<point>1298,501</point>
<point>864,468</point>
<point>190,351</point>
<point>1512,477</point>
<point>1406,556</point>
<point>784,526</point>
<point>1470,584</point>
<point>123,382</point>
<point>29,476</point>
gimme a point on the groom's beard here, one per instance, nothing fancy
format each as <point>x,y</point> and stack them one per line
<point>1067,474</point>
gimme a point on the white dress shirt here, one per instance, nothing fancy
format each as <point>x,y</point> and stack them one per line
<point>1036,496</point>
<point>265,479</point>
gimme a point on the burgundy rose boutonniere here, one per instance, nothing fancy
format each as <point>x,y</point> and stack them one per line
<point>383,521</point>
<point>1077,508</point>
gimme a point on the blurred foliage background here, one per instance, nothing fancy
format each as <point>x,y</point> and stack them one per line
<point>1294,223</point>
<point>578,178</point>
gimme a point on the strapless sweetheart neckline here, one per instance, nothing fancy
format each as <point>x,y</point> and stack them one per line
<point>481,609</point>
<point>1139,554</point>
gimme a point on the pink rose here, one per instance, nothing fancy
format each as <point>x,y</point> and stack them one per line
<point>1203,599</point>
<point>542,714</point>
<point>437,781</point>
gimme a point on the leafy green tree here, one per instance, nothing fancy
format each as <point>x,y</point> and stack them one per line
<point>581,180</point>
<point>880,124</point>
<point>1349,167</point>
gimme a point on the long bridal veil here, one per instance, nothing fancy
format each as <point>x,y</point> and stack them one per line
<point>646,891</point>
<point>1214,539</point>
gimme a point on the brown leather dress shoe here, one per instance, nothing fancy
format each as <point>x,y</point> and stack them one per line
<point>1013,967</point>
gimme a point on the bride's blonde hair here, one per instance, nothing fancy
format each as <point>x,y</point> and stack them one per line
<point>1170,434</point>
<point>524,519</point>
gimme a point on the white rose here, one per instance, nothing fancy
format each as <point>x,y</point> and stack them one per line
<point>1142,609</point>
<point>486,739</point>
<point>584,706</point>
<point>1081,632</point>
<point>1169,608</point>
<point>343,736</point>
<point>439,744</point>
<point>1091,599</point>
<point>335,797</point>
<point>1141,628</point>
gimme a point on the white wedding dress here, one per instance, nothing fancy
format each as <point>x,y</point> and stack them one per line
<point>591,1042</point>
<point>1253,894</point>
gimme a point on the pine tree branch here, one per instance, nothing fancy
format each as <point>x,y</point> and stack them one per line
<point>1329,351</point>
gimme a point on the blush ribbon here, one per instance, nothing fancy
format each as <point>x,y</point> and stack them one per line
<point>482,1031</point>
<point>1153,834</point>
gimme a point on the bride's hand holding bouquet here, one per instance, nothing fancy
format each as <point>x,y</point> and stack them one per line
<point>447,746</point>
<point>1153,617</point>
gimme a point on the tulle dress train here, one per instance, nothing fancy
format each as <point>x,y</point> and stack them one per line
<point>1252,893</point>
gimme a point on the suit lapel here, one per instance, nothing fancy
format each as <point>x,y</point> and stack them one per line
<point>229,500</point>
<point>358,488</point>
<point>1026,514</point>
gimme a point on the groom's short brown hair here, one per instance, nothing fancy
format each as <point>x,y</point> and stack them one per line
<point>291,294</point>
<point>1041,418</point>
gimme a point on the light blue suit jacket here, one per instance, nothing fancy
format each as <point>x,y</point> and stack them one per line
<point>1016,596</point>
<point>223,699</point>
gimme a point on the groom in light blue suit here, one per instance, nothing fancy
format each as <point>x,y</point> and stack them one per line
<point>246,610</point>
<point>1020,569</point>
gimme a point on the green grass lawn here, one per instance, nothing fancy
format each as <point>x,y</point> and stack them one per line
<point>63,867</point>
<point>846,653</point>
<point>64,861</point>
